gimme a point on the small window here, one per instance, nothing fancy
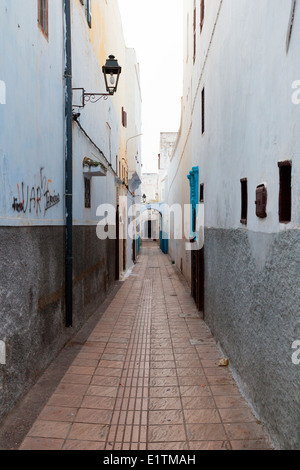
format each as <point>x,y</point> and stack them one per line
<point>203,110</point>
<point>201,192</point>
<point>202,14</point>
<point>194,220</point>
<point>124,118</point>
<point>261,201</point>
<point>89,12</point>
<point>43,15</point>
<point>244,201</point>
<point>285,192</point>
<point>87,193</point>
<point>194,32</point>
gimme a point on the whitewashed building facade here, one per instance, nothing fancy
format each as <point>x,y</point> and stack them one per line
<point>239,142</point>
<point>52,52</point>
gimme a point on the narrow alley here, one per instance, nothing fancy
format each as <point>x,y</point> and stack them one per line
<point>150,226</point>
<point>147,377</point>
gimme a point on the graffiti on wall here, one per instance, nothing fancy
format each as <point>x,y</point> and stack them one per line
<point>36,199</point>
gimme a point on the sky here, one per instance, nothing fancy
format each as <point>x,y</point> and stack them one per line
<point>154,30</point>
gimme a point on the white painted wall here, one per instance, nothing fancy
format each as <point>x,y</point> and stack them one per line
<point>150,186</point>
<point>134,119</point>
<point>32,118</point>
<point>98,136</point>
<point>251,122</point>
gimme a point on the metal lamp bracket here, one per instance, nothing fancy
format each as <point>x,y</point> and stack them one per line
<point>90,97</point>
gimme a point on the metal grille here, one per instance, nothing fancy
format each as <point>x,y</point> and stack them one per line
<point>87,193</point>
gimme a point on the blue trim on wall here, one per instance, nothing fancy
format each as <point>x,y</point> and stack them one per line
<point>193,178</point>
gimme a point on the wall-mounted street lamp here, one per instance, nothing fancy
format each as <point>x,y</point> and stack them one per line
<point>144,198</point>
<point>111,71</point>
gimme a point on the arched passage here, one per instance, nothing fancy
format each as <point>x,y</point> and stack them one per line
<point>157,232</point>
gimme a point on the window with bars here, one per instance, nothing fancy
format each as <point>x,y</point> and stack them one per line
<point>244,201</point>
<point>87,193</point>
<point>285,192</point>
<point>43,15</point>
<point>202,192</point>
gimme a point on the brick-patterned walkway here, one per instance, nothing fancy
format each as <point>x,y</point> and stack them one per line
<point>148,377</point>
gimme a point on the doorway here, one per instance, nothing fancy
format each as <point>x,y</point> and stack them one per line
<point>197,278</point>
<point>149,229</point>
<point>117,250</point>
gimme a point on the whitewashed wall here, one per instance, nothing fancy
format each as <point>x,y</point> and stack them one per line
<point>251,274</point>
<point>32,120</point>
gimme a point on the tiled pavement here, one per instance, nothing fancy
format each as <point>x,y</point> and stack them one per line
<point>148,377</point>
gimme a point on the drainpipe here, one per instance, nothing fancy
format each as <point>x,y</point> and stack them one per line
<point>68,167</point>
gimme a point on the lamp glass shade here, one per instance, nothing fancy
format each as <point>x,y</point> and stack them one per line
<point>111,71</point>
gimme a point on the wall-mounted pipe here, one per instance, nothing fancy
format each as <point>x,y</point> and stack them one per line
<point>68,167</point>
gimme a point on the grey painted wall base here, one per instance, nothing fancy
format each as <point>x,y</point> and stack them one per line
<point>32,311</point>
<point>252,305</point>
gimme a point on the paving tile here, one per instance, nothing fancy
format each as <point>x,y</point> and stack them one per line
<point>57,413</point>
<point>59,399</point>
<point>195,391</point>
<point>162,392</point>
<point>191,380</point>
<point>165,417</point>
<point>228,401</point>
<point>163,372</point>
<point>49,429</point>
<point>239,415</point>
<point>76,379</point>
<point>225,390</point>
<point>201,416</point>
<point>188,371</point>
<point>80,370</point>
<point>165,403</point>
<point>83,445</point>
<point>110,364</point>
<point>206,432</point>
<point>210,445</point>
<point>92,416</point>
<point>71,389</point>
<point>108,372</point>
<point>98,403</point>
<point>102,391</point>
<point>164,381</point>
<point>194,403</point>
<point>163,364</point>
<point>257,444</point>
<point>244,431</point>
<point>34,443</point>
<point>85,362</point>
<point>88,432</point>
<point>170,445</point>
<point>166,434</point>
<point>220,380</point>
<point>105,380</point>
